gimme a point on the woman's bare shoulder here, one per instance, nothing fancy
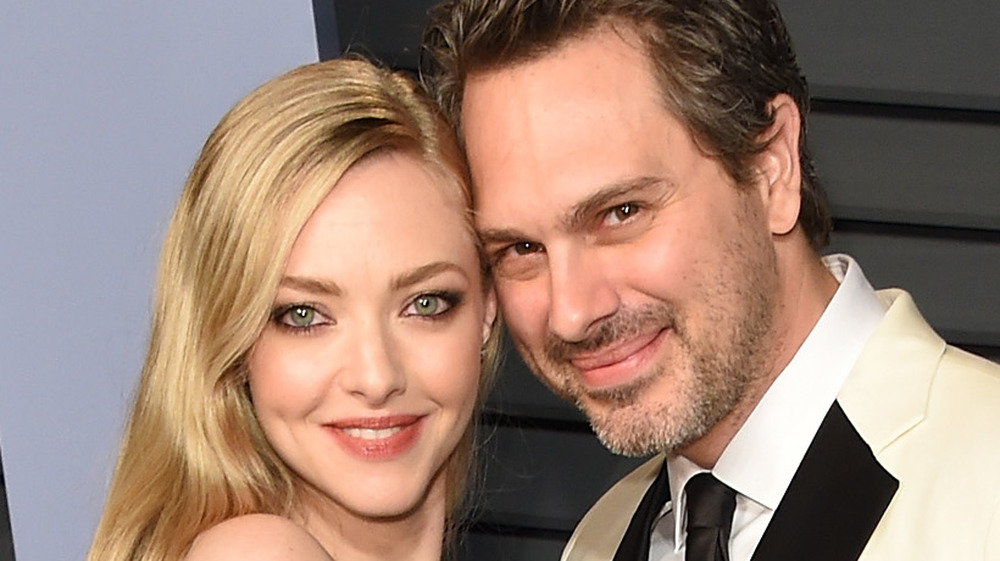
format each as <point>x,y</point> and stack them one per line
<point>256,537</point>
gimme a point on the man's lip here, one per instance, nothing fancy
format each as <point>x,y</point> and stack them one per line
<point>614,354</point>
<point>619,364</point>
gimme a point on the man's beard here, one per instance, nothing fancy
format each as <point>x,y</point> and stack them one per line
<point>717,381</point>
<point>709,372</point>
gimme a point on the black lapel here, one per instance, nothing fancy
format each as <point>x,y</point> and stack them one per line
<point>635,542</point>
<point>835,499</point>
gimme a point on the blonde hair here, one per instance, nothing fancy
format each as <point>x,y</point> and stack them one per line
<point>193,453</point>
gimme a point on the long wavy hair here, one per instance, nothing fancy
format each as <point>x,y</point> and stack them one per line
<point>193,453</point>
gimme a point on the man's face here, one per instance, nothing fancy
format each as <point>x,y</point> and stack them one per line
<point>636,279</point>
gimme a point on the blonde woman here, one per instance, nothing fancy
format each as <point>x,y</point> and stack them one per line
<point>322,334</point>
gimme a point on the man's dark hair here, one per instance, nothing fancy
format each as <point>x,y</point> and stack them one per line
<point>718,62</point>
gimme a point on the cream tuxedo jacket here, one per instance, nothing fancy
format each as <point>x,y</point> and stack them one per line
<point>913,410</point>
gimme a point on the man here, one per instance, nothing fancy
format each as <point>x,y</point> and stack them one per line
<point>648,204</point>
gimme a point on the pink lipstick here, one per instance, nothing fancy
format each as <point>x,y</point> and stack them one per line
<point>377,438</point>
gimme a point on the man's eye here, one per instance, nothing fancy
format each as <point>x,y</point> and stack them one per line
<point>621,213</point>
<point>526,248</point>
<point>518,260</point>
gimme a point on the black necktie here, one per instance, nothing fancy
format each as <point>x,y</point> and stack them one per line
<point>710,506</point>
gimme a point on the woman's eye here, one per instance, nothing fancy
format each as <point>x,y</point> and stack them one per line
<point>300,317</point>
<point>429,305</point>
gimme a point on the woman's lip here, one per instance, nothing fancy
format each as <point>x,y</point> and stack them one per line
<point>621,363</point>
<point>379,422</point>
<point>377,438</point>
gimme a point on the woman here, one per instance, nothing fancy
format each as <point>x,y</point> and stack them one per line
<point>323,329</point>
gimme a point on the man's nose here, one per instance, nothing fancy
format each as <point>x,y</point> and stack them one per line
<point>581,292</point>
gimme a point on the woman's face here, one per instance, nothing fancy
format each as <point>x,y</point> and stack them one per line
<point>364,379</point>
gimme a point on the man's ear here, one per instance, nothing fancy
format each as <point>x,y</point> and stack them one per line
<point>778,165</point>
<point>490,314</point>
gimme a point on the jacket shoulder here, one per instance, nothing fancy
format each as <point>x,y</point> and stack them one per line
<point>597,536</point>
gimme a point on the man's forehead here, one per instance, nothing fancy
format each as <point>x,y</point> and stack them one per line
<point>548,137</point>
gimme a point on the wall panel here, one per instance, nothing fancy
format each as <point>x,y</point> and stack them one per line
<point>924,170</point>
<point>934,53</point>
<point>956,282</point>
<point>500,545</point>
<point>558,473</point>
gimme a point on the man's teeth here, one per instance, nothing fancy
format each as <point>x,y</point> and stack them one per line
<point>371,434</point>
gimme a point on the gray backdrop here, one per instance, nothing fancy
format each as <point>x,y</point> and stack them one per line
<point>104,106</point>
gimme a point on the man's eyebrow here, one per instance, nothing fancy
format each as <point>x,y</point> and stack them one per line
<point>312,285</point>
<point>493,236</point>
<point>583,212</point>
<point>423,273</point>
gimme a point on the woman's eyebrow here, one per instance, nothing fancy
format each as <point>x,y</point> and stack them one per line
<point>312,285</point>
<point>424,272</point>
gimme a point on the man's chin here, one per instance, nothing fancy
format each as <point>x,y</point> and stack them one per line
<point>615,397</point>
<point>629,444</point>
<point>642,429</point>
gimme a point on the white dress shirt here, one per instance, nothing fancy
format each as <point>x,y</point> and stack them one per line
<point>763,456</point>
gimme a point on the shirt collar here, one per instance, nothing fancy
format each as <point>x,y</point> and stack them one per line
<point>779,430</point>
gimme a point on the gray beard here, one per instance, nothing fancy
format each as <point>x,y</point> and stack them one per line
<point>723,363</point>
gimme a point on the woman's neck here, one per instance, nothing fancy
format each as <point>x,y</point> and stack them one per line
<point>415,536</point>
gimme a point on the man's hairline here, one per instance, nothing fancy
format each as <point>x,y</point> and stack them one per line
<point>631,33</point>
